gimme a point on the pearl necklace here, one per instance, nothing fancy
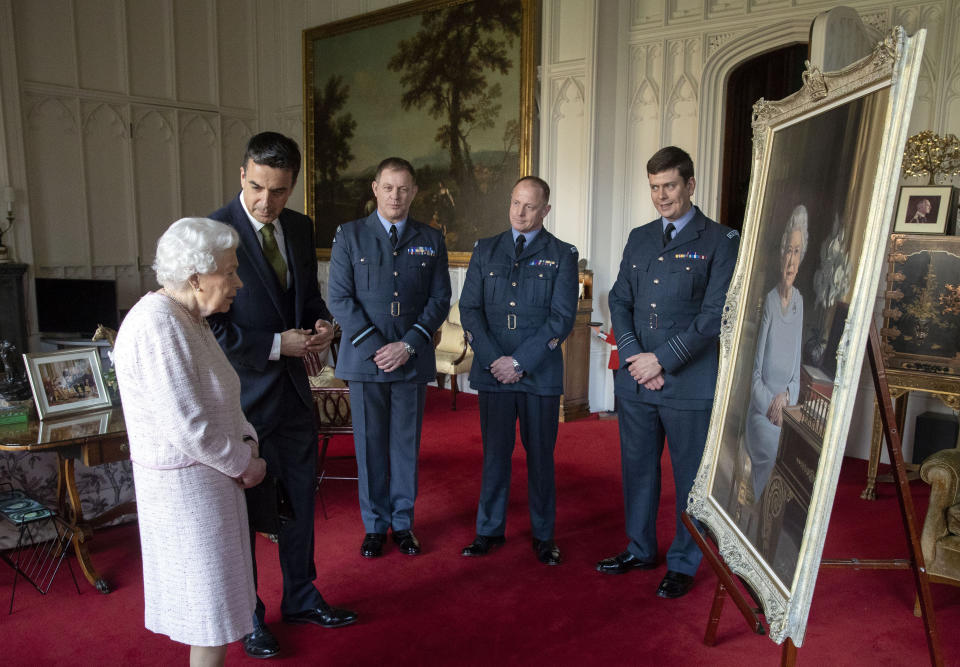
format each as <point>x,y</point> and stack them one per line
<point>199,320</point>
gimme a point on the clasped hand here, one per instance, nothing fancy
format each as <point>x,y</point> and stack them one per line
<point>504,370</point>
<point>646,370</point>
<point>391,356</point>
<point>254,474</point>
<point>298,342</point>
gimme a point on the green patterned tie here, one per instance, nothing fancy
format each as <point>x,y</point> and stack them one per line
<point>272,252</point>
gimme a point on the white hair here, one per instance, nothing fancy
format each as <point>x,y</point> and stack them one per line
<point>796,223</point>
<point>190,246</point>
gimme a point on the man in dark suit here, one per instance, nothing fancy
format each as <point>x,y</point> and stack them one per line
<point>390,291</point>
<point>277,317</point>
<point>666,306</point>
<point>519,302</point>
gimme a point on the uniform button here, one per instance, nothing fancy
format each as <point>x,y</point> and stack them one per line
<point>541,275</point>
<point>656,281</point>
<point>515,265</point>
<point>659,259</point>
<point>688,268</point>
<point>395,273</point>
<point>423,264</point>
<point>634,266</point>
<point>514,283</point>
<point>396,252</point>
<point>396,293</point>
<point>491,273</point>
<point>653,305</point>
<point>513,303</point>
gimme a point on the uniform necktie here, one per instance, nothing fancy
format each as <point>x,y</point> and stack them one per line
<point>521,241</point>
<point>272,252</point>
<point>668,233</point>
<point>393,235</point>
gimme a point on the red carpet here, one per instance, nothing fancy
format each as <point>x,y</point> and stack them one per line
<point>505,609</point>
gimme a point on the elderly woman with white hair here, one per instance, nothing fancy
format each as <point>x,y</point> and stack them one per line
<point>192,449</point>
<point>776,367</point>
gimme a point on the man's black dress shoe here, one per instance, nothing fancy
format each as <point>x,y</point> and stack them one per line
<point>675,584</point>
<point>407,541</point>
<point>260,643</point>
<point>372,546</point>
<point>482,544</point>
<point>547,551</point>
<point>624,562</point>
<point>323,615</point>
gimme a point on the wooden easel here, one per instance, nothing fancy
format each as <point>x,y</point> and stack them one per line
<point>726,586</point>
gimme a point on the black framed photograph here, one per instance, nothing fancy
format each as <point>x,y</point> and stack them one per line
<point>924,209</point>
<point>445,84</point>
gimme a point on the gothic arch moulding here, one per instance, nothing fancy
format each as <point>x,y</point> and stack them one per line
<point>713,90</point>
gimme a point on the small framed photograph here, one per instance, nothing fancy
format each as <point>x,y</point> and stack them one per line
<point>74,427</point>
<point>67,381</point>
<point>924,209</point>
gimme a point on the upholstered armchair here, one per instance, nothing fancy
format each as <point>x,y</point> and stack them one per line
<point>454,355</point>
<point>940,539</point>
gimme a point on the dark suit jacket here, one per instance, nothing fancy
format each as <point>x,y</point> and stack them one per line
<point>536,294</point>
<point>381,294</point>
<point>246,332</point>
<point>668,300</point>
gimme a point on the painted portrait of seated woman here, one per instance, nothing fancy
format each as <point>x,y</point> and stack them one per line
<point>776,370</point>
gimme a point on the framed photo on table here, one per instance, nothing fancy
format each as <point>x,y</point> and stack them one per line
<point>924,209</point>
<point>67,381</point>
<point>382,84</point>
<point>73,427</point>
<point>801,301</point>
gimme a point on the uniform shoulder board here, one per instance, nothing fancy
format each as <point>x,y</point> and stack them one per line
<point>732,234</point>
<point>573,250</point>
<point>476,243</point>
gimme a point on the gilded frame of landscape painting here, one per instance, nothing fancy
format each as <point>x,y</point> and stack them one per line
<point>446,84</point>
<point>824,182</point>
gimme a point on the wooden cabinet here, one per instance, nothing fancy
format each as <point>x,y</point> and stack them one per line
<point>575,402</point>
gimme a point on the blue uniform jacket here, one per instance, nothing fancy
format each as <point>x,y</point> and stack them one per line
<point>246,332</point>
<point>520,307</point>
<point>382,295</point>
<point>668,301</point>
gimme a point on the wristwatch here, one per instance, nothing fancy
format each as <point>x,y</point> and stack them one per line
<point>410,349</point>
<point>516,367</point>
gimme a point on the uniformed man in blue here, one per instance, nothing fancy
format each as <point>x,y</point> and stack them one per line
<point>518,303</point>
<point>389,291</point>
<point>666,306</point>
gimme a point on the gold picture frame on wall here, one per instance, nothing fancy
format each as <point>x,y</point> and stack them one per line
<point>446,84</point>
<point>823,187</point>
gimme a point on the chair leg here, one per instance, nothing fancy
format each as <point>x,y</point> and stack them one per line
<point>321,471</point>
<point>441,380</point>
<point>454,388</point>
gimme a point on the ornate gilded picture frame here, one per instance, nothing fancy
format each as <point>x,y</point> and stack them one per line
<point>446,84</point>
<point>823,187</point>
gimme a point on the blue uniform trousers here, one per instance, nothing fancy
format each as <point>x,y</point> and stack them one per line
<point>290,451</point>
<point>538,416</point>
<point>642,430</point>
<point>387,417</point>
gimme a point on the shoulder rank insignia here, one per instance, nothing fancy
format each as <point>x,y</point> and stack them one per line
<point>573,250</point>
<point>476,243</point>
<point>542,262</point>
<point>421,250</point>
<point>553,343</point>
<point>469,337</point>
<point>732,234</point>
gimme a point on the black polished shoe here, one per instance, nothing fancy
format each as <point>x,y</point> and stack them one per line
<point>675,585</point>
<point>483,544</point>
<point>624,562</point>
<point>261,643</point>
<point>407,541</point>
<point>547,551</point>
<point>372,546</point>
<point>323,615</point>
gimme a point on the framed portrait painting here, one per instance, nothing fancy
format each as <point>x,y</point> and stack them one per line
<point>445,84</point>
<point>800,305</point>
<point>67,381</point>
<point>924,209</point>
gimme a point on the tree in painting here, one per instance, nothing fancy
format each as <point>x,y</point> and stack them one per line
<point>332,136</point>
<point>443,70</point>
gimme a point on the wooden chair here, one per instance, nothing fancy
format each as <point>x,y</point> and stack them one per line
<point>331,409</point>
<point>454,354</point>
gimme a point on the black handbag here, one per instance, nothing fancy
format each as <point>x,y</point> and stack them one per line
<point>268,505</point>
